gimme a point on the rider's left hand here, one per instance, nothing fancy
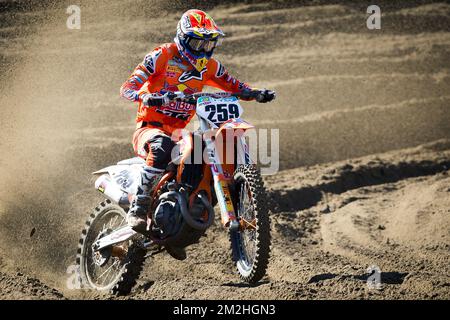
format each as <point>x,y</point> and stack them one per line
<point>155,99</point>
<point>265,96</point>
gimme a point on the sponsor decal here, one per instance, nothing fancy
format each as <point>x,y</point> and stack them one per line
<point>197,17</point>
<point>177,87</point>
<point>123,179</point>
<point>150,61</point>
<point>174,69</point>
<point>186,23</point>
<point>220,70</point>
<point>191,75</point>
<point>177,105</point>
<point>181,87</point>
<point>201,63</point>
<point>174,114</point>
<point>226,195</point>
<point>177,63</point>
<point>206,31</point>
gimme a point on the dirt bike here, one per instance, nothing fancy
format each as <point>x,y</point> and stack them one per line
<point>111,254</point>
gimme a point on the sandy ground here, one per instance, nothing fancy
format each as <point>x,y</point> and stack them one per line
<point>330,223</point>
<point>364,144</point>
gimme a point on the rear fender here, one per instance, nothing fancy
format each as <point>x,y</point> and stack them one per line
<point>126,177</point>
<point>121,164</point>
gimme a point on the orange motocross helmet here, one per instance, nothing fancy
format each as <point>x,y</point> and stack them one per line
<point>197,37</point>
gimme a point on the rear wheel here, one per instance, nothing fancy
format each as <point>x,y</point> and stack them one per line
<point>115,268</point>
<point>251,244</point>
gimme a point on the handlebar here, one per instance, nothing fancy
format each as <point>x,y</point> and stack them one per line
<point>192,98</point>
<point>159,100</point>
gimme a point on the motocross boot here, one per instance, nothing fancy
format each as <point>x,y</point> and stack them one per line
<point>142,200</point>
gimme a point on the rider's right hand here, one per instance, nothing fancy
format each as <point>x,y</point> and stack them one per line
<point>155,99</point>
<point>260,95</point>
<point>265,95</point>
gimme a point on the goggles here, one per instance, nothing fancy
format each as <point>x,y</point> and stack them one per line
<point>199,44</point>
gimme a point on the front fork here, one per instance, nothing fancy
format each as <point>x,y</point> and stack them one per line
<point>221,186</point>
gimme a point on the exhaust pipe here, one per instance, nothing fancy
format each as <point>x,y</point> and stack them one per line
<point>185,212</point>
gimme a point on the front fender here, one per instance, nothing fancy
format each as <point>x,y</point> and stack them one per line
<point>237,125</point>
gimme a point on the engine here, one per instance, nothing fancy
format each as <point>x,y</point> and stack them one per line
<point>167,218</point>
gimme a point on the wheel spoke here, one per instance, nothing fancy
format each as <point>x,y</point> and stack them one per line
<point>114,268</point>
<point>112,265</point>
<point>111,223</point>
<point>248,224</point>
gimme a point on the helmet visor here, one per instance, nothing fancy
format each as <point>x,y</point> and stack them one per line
<point>199,44</point>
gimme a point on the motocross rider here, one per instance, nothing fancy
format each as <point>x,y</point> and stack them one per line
<point>185,65</point>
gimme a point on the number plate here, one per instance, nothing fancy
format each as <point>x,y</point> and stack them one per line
<point>218,110</point>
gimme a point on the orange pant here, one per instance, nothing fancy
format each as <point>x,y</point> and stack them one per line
<point>154,145</point>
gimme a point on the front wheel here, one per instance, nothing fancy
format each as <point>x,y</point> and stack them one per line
<point>116,268</point>
<point>251,244</point>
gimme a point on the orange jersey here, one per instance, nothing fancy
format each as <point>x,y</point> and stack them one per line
<point>165,70</point>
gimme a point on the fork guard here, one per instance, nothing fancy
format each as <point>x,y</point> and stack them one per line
<point>123,234</point>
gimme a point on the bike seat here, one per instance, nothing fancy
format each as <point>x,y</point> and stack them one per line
<point>135,160</point>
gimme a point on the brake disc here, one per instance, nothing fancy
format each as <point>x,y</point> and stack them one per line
<point>101,257</point>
